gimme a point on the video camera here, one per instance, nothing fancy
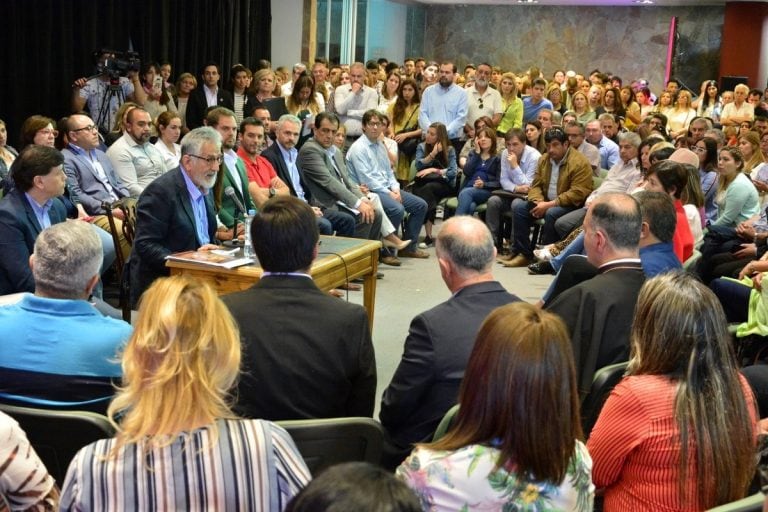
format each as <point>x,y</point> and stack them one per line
<point>116,64</point>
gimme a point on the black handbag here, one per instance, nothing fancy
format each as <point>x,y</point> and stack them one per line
<point>409,145</point>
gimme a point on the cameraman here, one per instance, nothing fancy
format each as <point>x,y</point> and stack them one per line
<point>92,92</point>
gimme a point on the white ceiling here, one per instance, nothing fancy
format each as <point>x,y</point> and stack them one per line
<point>625,3</point>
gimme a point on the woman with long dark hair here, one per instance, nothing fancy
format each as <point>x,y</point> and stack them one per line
<point>435,173</point>
<point>404,113</point>
<point>679,431</point>
<point>515,442</point>
<point>159,98</point>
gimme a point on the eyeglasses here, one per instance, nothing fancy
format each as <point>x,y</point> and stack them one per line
<point>698,149</point>
<point>48,131</point>
<point>90,128</point>
<point>210,159</point>
<point>374,125</point>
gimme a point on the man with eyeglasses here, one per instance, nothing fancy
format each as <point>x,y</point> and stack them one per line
<point>369,167</point>
<point>575,133</point>
<point>175,212</point>
<point>136,161</point>
<point>351,101</point>
<point>91,176</point>
<point>482,100</point>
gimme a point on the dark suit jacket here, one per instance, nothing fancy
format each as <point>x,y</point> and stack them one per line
<point>305,353</point>
<point>275,157</point>
<point>426,383</point>
<point>18,231</point>
<point>197,105</point>
<point>165,223</point>
<point>599,314</point>
<point>228,209</point>
<point>324,183</point>
<point>87,185</point>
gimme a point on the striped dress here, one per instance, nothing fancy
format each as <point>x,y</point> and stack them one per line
<point>635,447</point>
<point>251,465</point>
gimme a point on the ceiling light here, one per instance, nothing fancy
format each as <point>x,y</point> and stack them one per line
<point>644,2</point>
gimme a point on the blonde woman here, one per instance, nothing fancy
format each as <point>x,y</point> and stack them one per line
<point>580,105</point>
<point>184,87</point>
<point>178,444</point>
<point>680,117</point>
<point>512,117</point>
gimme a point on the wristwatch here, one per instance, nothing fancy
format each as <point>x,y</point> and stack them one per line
<point>272,192</point>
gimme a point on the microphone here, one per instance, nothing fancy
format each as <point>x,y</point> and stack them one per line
<point>230,192</point>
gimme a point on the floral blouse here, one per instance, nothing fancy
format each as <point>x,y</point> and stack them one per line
<point>464,480</point>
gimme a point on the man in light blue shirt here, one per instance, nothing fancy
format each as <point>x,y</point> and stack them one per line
<point>445,102</point>
<point>57,350</point>
<point>518,166</point>
<point>368,165</point>
<point>609,150</point>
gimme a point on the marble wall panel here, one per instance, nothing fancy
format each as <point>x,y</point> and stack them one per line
<point>630,42</point>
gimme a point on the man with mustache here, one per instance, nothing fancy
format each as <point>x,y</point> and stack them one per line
<point>175,212</point>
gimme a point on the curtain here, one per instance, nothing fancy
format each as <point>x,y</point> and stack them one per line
<point>47,44</point>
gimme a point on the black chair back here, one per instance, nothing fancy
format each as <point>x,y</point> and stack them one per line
<point>57,436</point>
<point>603,383</point>
<point>325,442</point>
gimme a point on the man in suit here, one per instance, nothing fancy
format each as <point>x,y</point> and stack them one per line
<point>283,156</point>
<point>209,94</point>
<point>223,121</point>
<point>325,174</point>
<point>26,210</point>
<point>599,312</point>
<point>305,354</point>
<point>91,176</point>
<point>175,212</point>
<point>426,383</point>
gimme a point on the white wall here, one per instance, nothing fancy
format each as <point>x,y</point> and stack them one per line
<point>287,18</point>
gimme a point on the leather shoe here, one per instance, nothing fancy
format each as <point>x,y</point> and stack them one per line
<point>518,261</point>
<point>392,245</point>
<point>390,260</point>
<point>540,268</point>
<point>418,253</point>
<point>506,257</point>
<point>352,287</point>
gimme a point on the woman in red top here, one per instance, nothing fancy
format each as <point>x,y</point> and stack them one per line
<point>678,433</point>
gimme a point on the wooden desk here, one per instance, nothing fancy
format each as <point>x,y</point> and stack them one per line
<point>352,258</point>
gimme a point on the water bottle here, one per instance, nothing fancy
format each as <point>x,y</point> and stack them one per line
<point>248,246</point>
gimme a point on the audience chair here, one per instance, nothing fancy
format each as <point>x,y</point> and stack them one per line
<point>446,423</point>
<point>57,436</point>
<point>127,205</point>
<point>450,204</point>
<point>752,503</point>
<point>689,265</point>
<point>604,381</point>
<point>325,442</point>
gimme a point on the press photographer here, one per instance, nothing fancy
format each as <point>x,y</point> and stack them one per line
<point>116,81</point>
